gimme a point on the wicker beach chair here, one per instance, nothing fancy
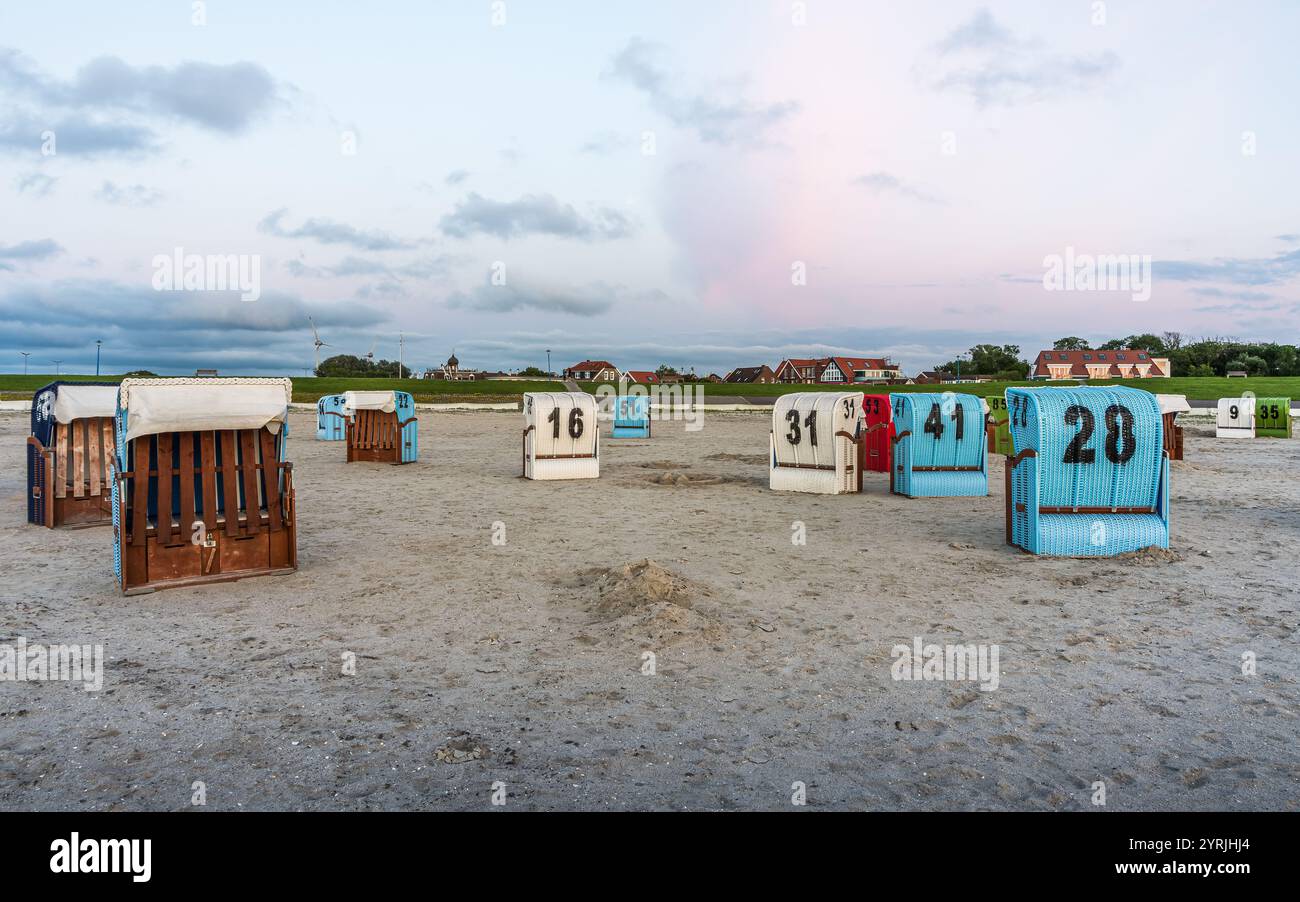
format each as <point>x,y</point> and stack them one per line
<point>331,424</point>
<point>814,445</point>
<point>631,417</point>
<point>381,426</point>
<point>939,446</point>
<point>561,438</point>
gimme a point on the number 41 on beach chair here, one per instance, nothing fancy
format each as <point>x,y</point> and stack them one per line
<point>939,446</point>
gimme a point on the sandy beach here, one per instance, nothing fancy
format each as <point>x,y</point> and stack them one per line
<point>522,663</point>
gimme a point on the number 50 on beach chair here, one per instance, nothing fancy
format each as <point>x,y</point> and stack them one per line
<point>331,424</point>
<point>939,446</point>
<point>202,491</point>
<point>70,453</point>
<point>1091,476</point>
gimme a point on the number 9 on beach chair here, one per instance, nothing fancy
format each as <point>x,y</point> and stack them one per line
<point>814,443</point>
<point>202,491</point>
<point>939,446</point>
<point>561,438</point>
<point>70,453</point>
<point>1091,476</point>
<point>331,424</point>
<point>381,426</point>
<point>631,417</point>
<point>877,433</point>
<point>1235,419</point>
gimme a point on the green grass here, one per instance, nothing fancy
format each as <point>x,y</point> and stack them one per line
<point>425,391</point>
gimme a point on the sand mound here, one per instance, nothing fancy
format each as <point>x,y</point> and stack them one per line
<point>647,603</point>
<point>685,480</point>
<point>622,590</point>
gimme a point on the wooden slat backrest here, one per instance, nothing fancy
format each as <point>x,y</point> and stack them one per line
<point>140,489</point>
<point>248,464</point>
<point>208,466</point>
<point>186,470</point>
<point>230,483</point>
<point>164,492</point>
<point>94,461</point>
<point>77,435</point>
<point>61,460</point>
<point>271,478</point>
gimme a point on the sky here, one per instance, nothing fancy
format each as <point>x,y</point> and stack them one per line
<point>705,184</point>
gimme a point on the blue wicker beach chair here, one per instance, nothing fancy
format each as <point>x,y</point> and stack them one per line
<point>331,425</point>
<point>1091,476</point>
<point>70,454</point>
<point>939,446</point>
<point>631,417</point>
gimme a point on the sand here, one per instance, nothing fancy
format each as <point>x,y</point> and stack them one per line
<point>524,664</point>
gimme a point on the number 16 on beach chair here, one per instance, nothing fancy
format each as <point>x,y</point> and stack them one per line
<point>202,491</point>
<point>815,442</point>
<point>939,446</point>
<point>561,437</point>
<point>331,424</point>
<point>1091,476</point>
<point>381,426</point>
<point>70,453</point>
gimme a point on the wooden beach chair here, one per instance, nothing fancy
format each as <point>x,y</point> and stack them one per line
<point>561,439</point>
<point>70,454</point>
<point>381,426</point>
<point>939,446</point>
<point>815,443</point>
<point>1170,407</point>
<point>1090,477</point>
<point>202,491</point>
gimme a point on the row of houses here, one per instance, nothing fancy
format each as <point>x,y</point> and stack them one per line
<point>1123,363</point>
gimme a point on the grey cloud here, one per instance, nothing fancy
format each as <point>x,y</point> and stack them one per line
<point>456,176</point>
<point>984,60</point>
<point>1289,239</point>
<point>885,183</point>
<point>715,121</point>
<point>360,266</point>
<point>1238,271</point>
<point>590,300</point>
<point>128,195</point>
<point>329,232</point>
<point>606,143</point>
<point>41,249</point>
<point>37,184</point>
<point>532,214</point>
<point>22,133</point>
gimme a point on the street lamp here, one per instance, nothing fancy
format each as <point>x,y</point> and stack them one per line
<point>548,361</point>
<point>98,344</point>
<point>57,365</point>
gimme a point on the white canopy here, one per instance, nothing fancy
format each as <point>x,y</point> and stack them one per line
<point>184,405</point>
<point>79,402</point>
<point>369,400</point>
<point>1173,404</point>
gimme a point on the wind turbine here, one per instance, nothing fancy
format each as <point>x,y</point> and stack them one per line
<point>370,355</point>
<point>319,344</point>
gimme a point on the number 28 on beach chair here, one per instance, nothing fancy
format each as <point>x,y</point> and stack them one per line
<point>381,426</point>
<point>202,491</point>
<point>814,443</point>
<point>631,417</point>
<point>331,425</point>
<point>939,446</point>
<point>561,436</point>
<point>1091,475</point>
<point>877,433</point>
<point>69,454</point>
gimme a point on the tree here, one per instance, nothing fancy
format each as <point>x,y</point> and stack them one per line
<point>1172,341</point>
<point>362,367</point>
<point>1073,343</point>
<point>991,360</point>
<point>533,371</point>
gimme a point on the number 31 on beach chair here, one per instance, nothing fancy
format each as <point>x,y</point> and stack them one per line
<point>1091,478</point>
<point>814,443</point>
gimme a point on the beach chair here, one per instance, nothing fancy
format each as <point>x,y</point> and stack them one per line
<point>877,433</point>
<point>1170,407</point>
<point>631,417</point>
<point>202,491</point>
<point>1090,477</point>
<point>1235,419</point>
<point>561,436</point>
<point>814,445</point>
<point>381,426</point>
<point>331,424</point>
<point>70,453</point>
<point>939,446</point>
<point>999,427</point>
<point>1273,417</point>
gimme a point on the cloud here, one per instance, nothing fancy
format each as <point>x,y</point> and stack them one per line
<point>225,98</point>
<point>716,121</point>
<point>983,59</point>
<point>590,300</point>
<point>606,143</point>
<point>360,266</point>
<point>1289,239</point>
<point>456,176</point>
<point>41,249</point>
<point>329,232</point>
<point>532,214</point>
<point>884,183</point>
<point>38,184</point>
<point>1232,270</point>
<point>74,136</point>
<point>128,195</point>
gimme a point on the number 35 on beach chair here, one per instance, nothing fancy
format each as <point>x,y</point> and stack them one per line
<point>939,446</point>
<point>70,453</point>
<point>381,426</point>
<point>561,436</point>
<point>815,443</point>
<point>202,491</point>
<point>1091,477</point>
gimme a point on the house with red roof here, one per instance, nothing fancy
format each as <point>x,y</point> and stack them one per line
<point>642,377</point>
<point>1124,363</point>
<point>837,370</point>
<point>592,371</point>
